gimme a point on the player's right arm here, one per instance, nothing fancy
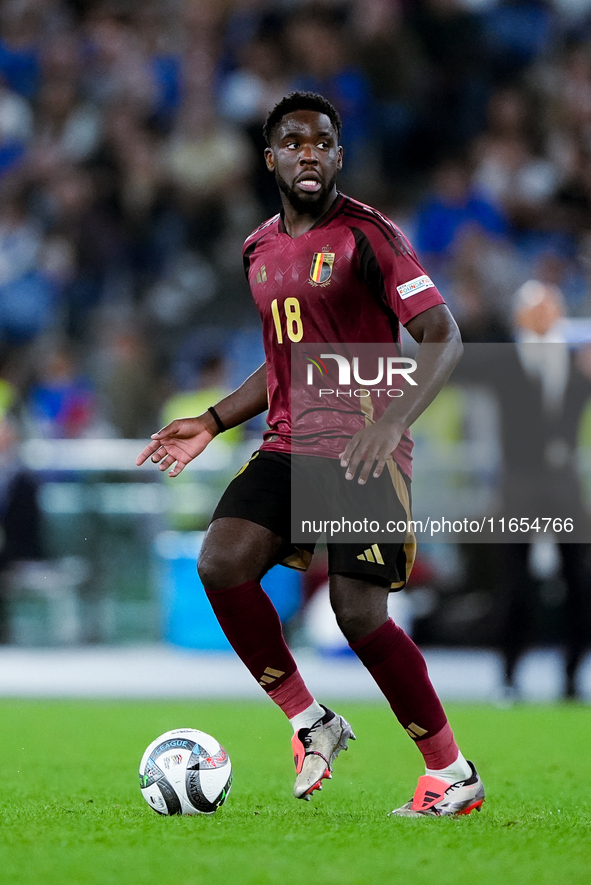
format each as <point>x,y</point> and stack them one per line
<point>185,438</point>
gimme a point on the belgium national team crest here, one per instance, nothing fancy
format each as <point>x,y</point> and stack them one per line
<point>321,270</point>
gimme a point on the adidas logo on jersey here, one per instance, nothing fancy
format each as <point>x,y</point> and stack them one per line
<point>372,554</point>
<point>261,277</point>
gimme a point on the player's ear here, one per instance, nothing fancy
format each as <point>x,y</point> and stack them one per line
<point>269,159</point>
<point>340,158</point>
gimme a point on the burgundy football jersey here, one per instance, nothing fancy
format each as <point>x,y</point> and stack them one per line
<point>353,278</point>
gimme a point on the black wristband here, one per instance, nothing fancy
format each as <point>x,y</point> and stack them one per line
<point>217,419</point>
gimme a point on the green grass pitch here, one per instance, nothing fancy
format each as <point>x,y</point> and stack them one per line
<point>71,812</point>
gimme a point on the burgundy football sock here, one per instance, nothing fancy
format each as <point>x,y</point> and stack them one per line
<point>400,671</point>
<point>252,626</point>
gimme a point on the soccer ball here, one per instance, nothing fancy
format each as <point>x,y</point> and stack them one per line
<point>185,771</point>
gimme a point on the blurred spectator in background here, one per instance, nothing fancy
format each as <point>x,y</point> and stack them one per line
<point>67,129</point>
<point>20,514</point>
<point>453,208</point>
<point>29,298</point>
<point>206,161</point>
<point>258,82</point>
<point>20,44</point>
<point>117,60</point>
<point>516,32</point>
<point>199,373</point>
<point>479,318</point>
<point>458,78</point>
<point>391,56</point>
<point>320,42</point>
<point>210,380</point>
<point>541,388</point>
<point>541,419</point>
<point>82,219</point>
<point>511,168</point>
<point>61,403</point>
<point>16,128</point>
<point>123,373</point>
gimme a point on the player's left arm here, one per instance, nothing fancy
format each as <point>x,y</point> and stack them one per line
<point>436,331</point>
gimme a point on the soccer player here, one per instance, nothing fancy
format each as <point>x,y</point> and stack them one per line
<point>327,269</point>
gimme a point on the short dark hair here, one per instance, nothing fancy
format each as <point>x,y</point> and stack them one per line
<point>301,101</point>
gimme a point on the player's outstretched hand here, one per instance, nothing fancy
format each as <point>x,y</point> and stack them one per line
<point>370,446</point>
<point>177,444</point>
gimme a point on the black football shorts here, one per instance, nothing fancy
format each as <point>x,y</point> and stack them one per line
<point>262,492</point>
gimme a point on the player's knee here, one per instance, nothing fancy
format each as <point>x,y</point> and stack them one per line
<point>216,572</point>
<point>359,613</point>
<point>220,569</point>
<point>348,624</point>
<point>353,621</point>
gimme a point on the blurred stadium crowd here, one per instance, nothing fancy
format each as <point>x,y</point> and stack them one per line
<point>131,170</point>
